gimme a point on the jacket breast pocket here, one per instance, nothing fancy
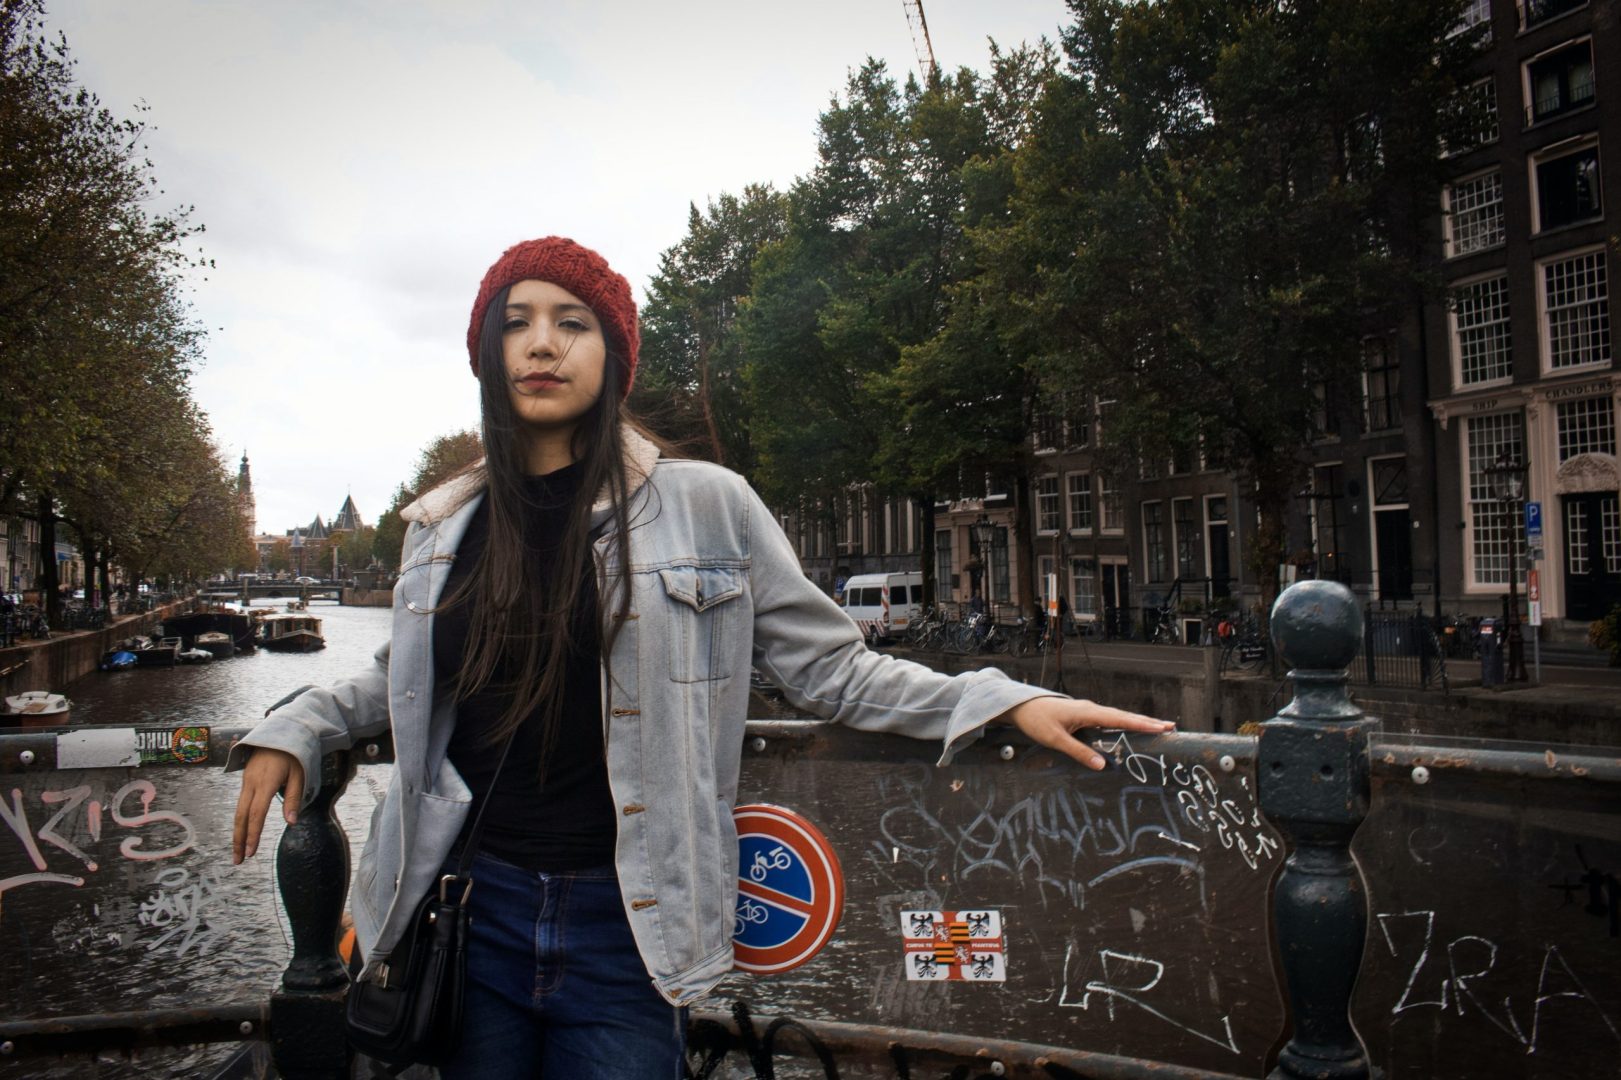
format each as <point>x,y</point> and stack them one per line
<point>703,620</point>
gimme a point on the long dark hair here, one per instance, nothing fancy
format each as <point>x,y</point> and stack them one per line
<point>519,631</point>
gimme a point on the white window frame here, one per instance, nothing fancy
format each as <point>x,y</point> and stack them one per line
<point>1456,345</point>
<point>1149,571</point>
<point>1605,404</point>
<point>1177,537</point>
<point>1057,497</point>
<point>1226,521</point>
<point>1069,505</point>
<point>1449,214</point>
<point>1104,503</point>
<point>1544,337</point>
<point>1549,153</point>
<point>1472,585</point>
<point>1527,102</point>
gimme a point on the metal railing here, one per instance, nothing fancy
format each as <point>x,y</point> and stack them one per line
<point>1148,911</point>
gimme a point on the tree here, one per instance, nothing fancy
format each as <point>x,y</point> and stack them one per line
<point>690,377</point>
<point>1216,199</point>
<point>280,558</point>
<point>85,271</point>
<point>441,459</point>
<point>355,548</point>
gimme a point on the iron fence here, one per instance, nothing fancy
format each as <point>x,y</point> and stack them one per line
<point>1204,907</point>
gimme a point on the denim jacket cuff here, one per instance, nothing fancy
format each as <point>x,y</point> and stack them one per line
<point>989,694</point>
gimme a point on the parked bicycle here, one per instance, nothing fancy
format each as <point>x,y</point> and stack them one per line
<point>1245,644</point>
<point>1162,629</point>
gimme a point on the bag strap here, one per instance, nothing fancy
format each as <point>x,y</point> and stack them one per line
<point>464,865</point>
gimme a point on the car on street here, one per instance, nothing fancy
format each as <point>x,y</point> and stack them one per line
<point>306,580</point>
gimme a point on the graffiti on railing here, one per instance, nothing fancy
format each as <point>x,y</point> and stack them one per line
<point>1127,980</point>
<point>1448,978</point>
<point>178,910</point>
<point>1068,840</point>
<point>1603,892</point>
<point>69,815</point>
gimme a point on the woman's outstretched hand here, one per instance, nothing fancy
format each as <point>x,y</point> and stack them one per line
<point>267,772</point>
<point>1052,722</point>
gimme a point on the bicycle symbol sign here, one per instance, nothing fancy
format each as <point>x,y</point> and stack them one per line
<point>790,889</point>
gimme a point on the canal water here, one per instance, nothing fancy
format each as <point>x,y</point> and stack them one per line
<point>107,950</point>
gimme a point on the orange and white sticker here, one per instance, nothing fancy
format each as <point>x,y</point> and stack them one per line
<point>954,946</point>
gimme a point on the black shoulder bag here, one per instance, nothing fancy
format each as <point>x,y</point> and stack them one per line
<point>412,1013</point>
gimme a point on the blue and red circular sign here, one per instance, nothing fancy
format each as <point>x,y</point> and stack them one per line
<point>790,889</point>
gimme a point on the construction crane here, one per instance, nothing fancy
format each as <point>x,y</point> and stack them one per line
<point>920,38</point>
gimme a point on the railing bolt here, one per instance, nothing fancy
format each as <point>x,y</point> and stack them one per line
<point>757,744</point>
<point>998,1069</point>
<point>1006,754</point>
<point>372,749</point>
<point>1227,763</point>
<point>27,758</point>
<point>1421,775</point>
<point>245,1027</point>
<point>7,1048</point>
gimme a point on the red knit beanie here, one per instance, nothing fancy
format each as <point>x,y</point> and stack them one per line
<point>579,270</point>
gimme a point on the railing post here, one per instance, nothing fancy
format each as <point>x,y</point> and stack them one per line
<point>1313,778</point>
<point>307,1037</point>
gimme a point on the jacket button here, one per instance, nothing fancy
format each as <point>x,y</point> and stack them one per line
<point>411,605</point>
<point>410,694</point>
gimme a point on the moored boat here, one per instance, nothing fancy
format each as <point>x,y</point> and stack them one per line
<point>195,656</point>
<point>117,660</point>
<point>216,642</point>
<point>37,708</point>
<point>165,653</point>
<point>291,633</point>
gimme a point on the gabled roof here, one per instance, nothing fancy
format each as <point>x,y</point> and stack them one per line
<point>316,531</point>
<point>348,519</point>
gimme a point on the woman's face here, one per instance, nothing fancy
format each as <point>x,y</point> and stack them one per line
<point>555,354</point>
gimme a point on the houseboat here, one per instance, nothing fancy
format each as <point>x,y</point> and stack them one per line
<point>291,633</point>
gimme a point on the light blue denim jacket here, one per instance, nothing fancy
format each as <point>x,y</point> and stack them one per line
<point>715,588</point>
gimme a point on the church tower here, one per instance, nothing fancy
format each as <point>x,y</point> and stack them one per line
<point>244,496</point>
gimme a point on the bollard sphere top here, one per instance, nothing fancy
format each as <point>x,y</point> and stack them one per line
<point>1316,626</point>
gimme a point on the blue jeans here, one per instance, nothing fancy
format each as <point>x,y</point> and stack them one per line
<point>555,986</point>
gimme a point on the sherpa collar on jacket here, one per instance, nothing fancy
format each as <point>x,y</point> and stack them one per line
<point>453,494</point>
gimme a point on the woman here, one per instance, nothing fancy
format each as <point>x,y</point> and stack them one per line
<point>600,605</point>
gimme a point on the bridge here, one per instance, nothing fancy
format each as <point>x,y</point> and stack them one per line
<point>1325,898</point>
<point>247,591</point>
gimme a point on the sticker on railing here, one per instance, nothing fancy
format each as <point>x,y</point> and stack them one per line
<point>954,946</point>
<point>97,748</point>
<point>174,746</point>
<point>790,889</point>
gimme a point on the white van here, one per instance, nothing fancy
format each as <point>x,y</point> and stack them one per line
<point>884,605</point>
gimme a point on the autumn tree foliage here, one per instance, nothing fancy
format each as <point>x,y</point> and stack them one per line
<point>97,343</point>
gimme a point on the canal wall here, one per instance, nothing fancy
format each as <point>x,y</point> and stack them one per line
<point>367,597</point>
<point>52,664</point>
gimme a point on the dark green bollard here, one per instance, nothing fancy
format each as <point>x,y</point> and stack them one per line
<point>1313,776</point>
<point>307,1038</point>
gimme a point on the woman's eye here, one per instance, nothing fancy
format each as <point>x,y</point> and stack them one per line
<point>512,324</point>
<point>574,323</point>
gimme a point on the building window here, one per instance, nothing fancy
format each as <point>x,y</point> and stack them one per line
<point>1586,426</point>
<point>1114,519</point>
<point>1381,383</point>
<point>1475,214</point>
<point>1048,516</point>
<point>1047,428</point>
<point>1078,421</point>
<point>1102,434</point>
<point>1475,13</point>
<point>1560,81</point>
<point>1576,302</point>
<point>1080,502</point>
<point>1154,540</point>
<point>944,572</point>
<point>1480,330</point>
<point>1187,538</point>
<point>1489,520</point>
<point>1083,583</point>
<point>1472,120</point>
<point>1533,12</point>
<point>1568,188</point>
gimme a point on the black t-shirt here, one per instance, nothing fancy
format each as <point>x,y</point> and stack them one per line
<point>567,822</point>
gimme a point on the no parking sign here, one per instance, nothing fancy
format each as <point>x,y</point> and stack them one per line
<point>790,889</point>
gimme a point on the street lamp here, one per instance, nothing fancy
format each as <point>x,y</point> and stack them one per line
<point>1507,479</point>
<point>981,532</point>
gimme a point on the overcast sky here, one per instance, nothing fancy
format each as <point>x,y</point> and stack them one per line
<point>359,164</point>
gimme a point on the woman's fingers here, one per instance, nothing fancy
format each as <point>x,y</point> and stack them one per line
<point>267,772</point>
<point>1051,722</point>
